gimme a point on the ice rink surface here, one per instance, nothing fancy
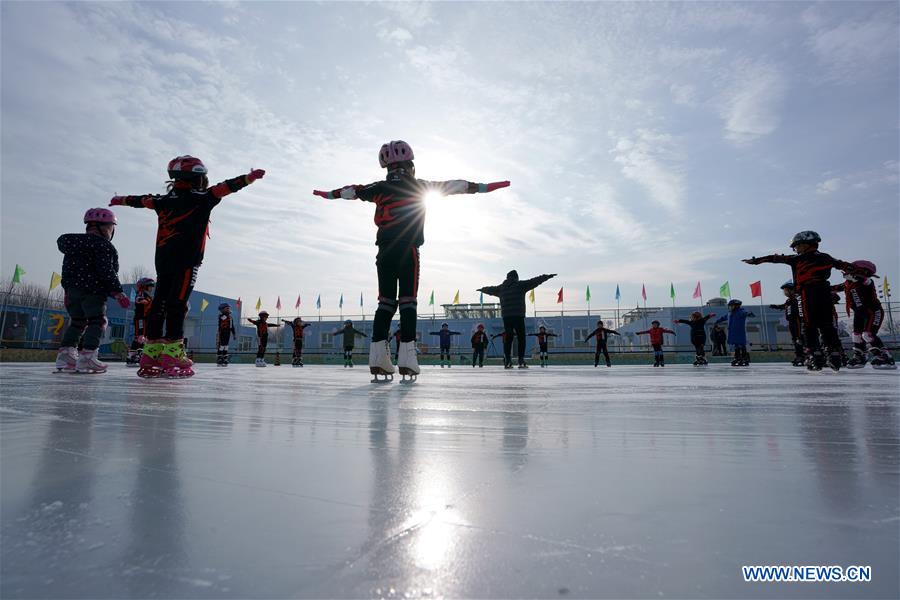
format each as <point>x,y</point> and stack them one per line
<point>561,482</point>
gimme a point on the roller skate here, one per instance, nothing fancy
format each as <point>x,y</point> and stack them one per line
<point>66,360</point>
<point>150,365</point>
<point>380,365</point>
<point>884,361</point>
<point>88,362</point>
<point>174,361</point>
<point>408,362</point>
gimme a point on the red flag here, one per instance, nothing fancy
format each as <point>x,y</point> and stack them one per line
<point>697,292</point>
<point>756,289</point>
<point>643,292</point>
<point>297,305</point>
<point>559,297</point>
<point>278,304</point>
<point>238,303</point>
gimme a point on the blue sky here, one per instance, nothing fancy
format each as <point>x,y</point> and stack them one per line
<point>646,142</point>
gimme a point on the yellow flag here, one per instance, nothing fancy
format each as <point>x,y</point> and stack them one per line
<point>884,288</point>
<point>203,304</point>
<point>531,296</point>
<point>55,280</point>
<point>258,303</point>
<point>456,298</point>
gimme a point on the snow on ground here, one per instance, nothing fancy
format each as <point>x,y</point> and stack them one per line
<point>559,482</point>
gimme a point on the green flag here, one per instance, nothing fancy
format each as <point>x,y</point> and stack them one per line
<point>587,294</point>
<point>725,290</point>
<point>17,274</point>
<point>672,291</point>
<point>431,301</point>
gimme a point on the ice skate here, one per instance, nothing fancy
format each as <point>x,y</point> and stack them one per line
<point>522,365</point>
<point>798,361</point>
<point>261,362</point>
<point>66,360</point>
<point>816,362</point>
<point>380,362</point>
<point>407,362</point>
<point>662,361</point>
<point>507,366</point>
<point>88,362</point>
<point>834,361</point>
<point>884,361</point>
<point>150,365</point>
<point>858,361</point>
<point>133,359</point>
<point>656,363</point>
<point>174,361</point>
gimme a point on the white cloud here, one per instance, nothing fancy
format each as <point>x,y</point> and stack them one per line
<point>684,94</point>
<point>751,104</point>
<point>828,186</point>
<point>398,35</point>
<point>651,159</point>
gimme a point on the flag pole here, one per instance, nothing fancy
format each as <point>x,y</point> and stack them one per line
<point>12,284</point>
<point>765,325</point>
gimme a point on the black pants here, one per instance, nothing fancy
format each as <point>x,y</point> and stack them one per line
<point>445,352</point>
<point>222,344</point>
<point>699,345</point>
<point>261,348</point>
<point>478,354</point>
<point>740,353</point>
<point>398,267</point>
<point>817,311</point>
<point>87,322</point>
<point>348,352</point>
<point>170,304</point>
<point>719,348</point>
<point>298,347</point>
<point>514,326</point>
<point>140,329</point>
<point>601,349</point>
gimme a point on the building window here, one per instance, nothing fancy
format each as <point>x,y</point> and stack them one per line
<point>117,332</point>
<point>326,340</point>
<point>245,344</point>
<point>578,334</point>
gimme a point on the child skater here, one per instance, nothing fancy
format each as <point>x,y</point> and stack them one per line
<point>512,308</point>
<point>297,328</point>
<point>479,345</point>
<point>445,336</point>
<point>656,340</point>
<point>811,270</point>
<point>719,339</point>
<point>224,331</point>
<point>542,337</point>
<point>791,308</point>
<point>89,276</point>
<point>868,315</point>
<point>142,298</point>
<point>737,332</point>
<point>262,335</point>
<point>602,334</point>
<point>698,335</point>
<point>349,332</point>
<point>400,217</point>
<point>183,214</point>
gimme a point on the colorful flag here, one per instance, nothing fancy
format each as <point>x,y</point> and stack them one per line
<point>725,290</point>
<point>886,288</point>
<point>456,298</point>
<point>587,294</point>
<point>559,296</point>
<point>319,302</point>
<point>618,293</point>
<point>258,303</point>
<point>17,274</point>
<point>297,304</point>
<point>531,296</point>
<point>697,292</point>
<point>643,292</point>
<point>278,303</point>
<point>203,304</point>
<point>55,280</point>
<point>341,301</point>
<point>671,290</point>
<point>756,289</point>
<point>431,300</point>
<point>238,304</point>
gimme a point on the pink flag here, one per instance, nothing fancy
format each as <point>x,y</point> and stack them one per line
<point>697,292</point>
<point>278,304</point>
<point>297,305</point>
<point>643,292</point>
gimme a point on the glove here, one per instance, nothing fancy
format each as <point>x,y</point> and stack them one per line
<point>123,300</point>
<point>117,201</point>
<point>751,261</point>
<point>255,174</point>
<point>320,193</point>
<point>497,185</point>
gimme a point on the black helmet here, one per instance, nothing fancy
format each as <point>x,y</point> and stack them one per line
<point>445,325</point>
<point>787,285</point>
<point>224,305</point>
<point>805,237</point>
<point>654,322</point>
<point>348,322</point>
<point>734,302</point>
<point>263,313</point>
<point>542,327</point>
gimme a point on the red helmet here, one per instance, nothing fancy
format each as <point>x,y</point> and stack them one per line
<point>263,313</point>
<point>394,152</point>
<point>100,215</point>
<point>186,168</point>
<point>865,265</point>
<point>481,326</point>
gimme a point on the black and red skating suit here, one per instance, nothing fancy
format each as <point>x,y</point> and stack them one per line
<point>225,329</point>
<point>262,333</point>
<point>480,339</point>
<point>698,329</point>
<point>542,339</point>
<point>142,301</point>
<point>602,334</point>
<point>297,329</point>
<point>445,336</point>
<point>183,225</point>
<point>656,335</point>
<point>791,310</point>
<point>811,270</point>
<point>861,298</point>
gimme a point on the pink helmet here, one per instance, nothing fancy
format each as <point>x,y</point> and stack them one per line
<point>394,152</point>
<point>865,264</point>
<point>100,215</point>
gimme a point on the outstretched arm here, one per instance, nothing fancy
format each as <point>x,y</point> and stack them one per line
<point>348,192</point>
<point>614,332</point>
<point>532,283</point>
<point>490,290</point>
<point>592,334</point>
<point>359,333</point>
<point>772,258</point>
<point>230,186</point>
<point>460,186</point>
